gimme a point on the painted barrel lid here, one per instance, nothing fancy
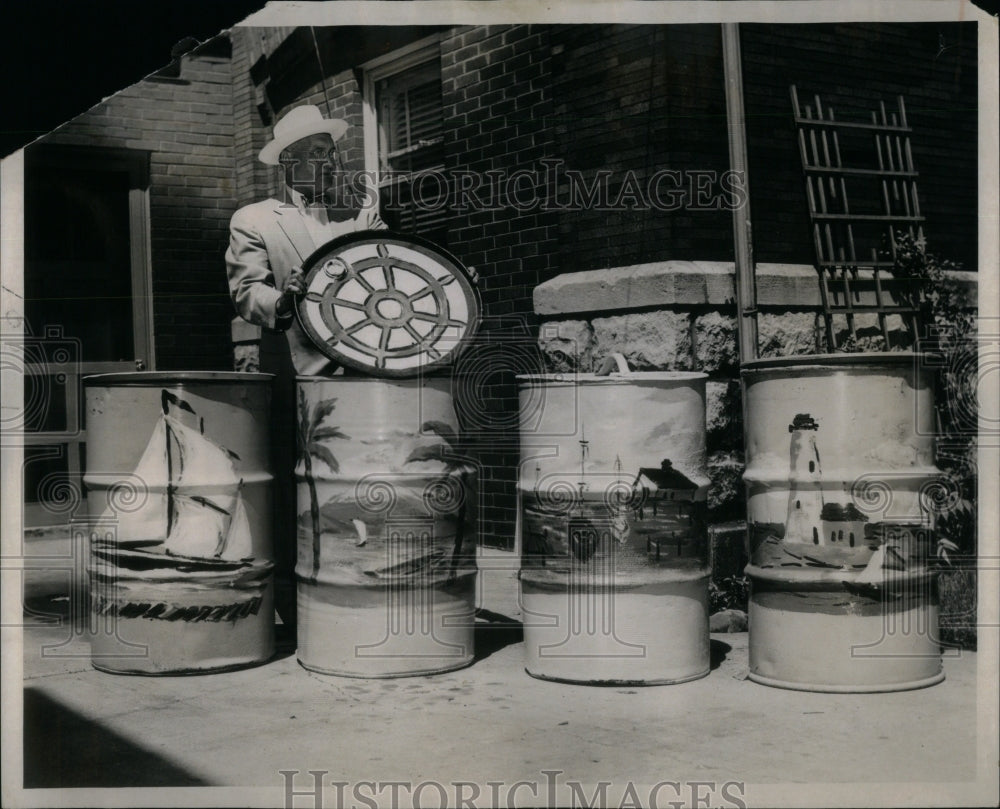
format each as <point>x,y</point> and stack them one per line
<point>176,377</point>
<point>388,304</point>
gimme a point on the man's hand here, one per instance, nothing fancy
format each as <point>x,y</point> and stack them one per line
<point>295,287</point>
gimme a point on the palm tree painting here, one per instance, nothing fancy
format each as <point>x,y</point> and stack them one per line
<point>311,433</point>
<point>444,452</point>
<point>450,453</point>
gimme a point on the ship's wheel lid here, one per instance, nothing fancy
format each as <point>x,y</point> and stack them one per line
<point>387,304</point>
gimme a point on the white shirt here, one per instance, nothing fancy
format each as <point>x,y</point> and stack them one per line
<point>319,225</point>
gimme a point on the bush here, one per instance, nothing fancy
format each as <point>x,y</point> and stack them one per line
<point>946,326</point>
<point>948,332</point>
<point>729,593</point>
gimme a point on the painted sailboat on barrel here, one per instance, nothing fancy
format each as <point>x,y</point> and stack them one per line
<point>194,518</point>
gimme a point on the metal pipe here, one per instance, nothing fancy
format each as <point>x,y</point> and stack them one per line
<point>746,284</point>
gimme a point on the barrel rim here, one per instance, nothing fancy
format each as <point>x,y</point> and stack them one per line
<point>340,379</point>
<point>573,378</point>
<point>847,688</point>
<point>141,378</point>
<point>833,360</point>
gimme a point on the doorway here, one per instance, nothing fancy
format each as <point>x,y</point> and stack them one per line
<point>88,307</point>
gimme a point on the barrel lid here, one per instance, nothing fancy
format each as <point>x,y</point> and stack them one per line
<point>632,378</point>
<point>833,360</point>
<point>175,377</point>
<point>389,304</point>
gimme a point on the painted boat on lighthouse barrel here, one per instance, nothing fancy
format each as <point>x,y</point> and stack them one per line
<point>840,485</point>
<point>179,498</point>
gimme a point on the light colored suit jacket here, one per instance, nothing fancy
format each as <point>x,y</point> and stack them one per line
<point>266,241</point>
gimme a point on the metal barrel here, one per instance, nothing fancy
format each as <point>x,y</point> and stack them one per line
<point>179,501</point>
<point>839,479</point>
<point>386,566</point>
<point>614,554</point>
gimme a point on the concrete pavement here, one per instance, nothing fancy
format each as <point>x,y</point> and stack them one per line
<point>490,721</point>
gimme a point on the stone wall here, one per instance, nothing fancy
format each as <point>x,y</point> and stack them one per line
<point>681,316</point>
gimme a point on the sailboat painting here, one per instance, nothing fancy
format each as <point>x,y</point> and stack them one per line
<point>180,574</point>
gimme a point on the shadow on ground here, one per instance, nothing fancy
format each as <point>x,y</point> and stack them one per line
<point>64,749</point>
<point>494,632</point>
<point>717,653</point>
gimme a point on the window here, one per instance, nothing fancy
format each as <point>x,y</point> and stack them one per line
<point>404,139</point>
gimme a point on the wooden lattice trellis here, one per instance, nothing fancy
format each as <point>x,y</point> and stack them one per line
<point>861,187</point>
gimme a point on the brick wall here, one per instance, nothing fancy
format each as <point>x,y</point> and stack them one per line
<point>634,101</point>
<point>187,129</point>
<point>498,113</point>
<point>498,129</point>
<point>254,180</point>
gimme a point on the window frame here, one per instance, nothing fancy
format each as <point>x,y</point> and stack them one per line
<point>375,71</point>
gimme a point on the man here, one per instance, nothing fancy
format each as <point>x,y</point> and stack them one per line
<point>269,241</point>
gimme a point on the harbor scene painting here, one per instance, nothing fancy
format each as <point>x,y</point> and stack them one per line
<point>649,518</point>
<point>608,500</point>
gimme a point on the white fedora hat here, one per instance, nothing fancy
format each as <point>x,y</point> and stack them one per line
<point>298,123</point>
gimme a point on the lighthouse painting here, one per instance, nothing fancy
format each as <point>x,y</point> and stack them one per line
<point>823,527</point>
<point>805,493</point>
<point>840,523</point>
